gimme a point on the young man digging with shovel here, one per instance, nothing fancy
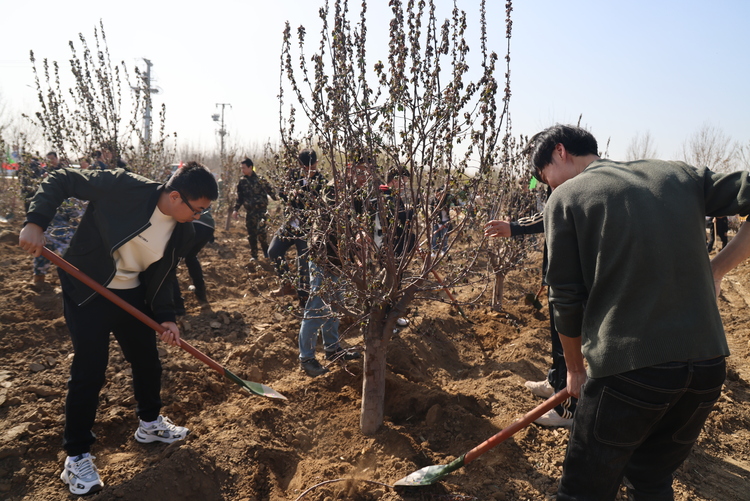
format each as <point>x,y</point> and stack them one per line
<point>636,298</point>
<point>130,240</point>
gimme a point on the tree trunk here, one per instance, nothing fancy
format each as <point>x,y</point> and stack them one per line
<point>373,382</point>
<point>497,292</point>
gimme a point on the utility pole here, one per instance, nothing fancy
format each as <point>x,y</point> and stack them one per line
<point>149,90</point>
<point>222,130</point>
<point>222,133</point>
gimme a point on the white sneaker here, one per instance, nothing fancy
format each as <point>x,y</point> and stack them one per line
<point>540,388</point>
<point>553,419</point>
<point>163,430</point>
<point>402,322</point>
<point>81,475</point>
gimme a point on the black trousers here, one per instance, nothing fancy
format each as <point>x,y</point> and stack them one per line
<point>203,235</point>
<point>89,327</point>
<point>640,424</point>
<point>282,241</point>
<point>257,232</point>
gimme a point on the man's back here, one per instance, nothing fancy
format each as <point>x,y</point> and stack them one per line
<point>626,242</point>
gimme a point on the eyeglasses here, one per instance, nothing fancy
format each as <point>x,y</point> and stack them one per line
<point>195,212</point>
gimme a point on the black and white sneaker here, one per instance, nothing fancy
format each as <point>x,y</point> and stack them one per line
<point>162,430</point>
<point>81,476</point>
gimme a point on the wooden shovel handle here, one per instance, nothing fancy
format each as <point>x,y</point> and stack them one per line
<point>150,322</point>
<point>511,430</point>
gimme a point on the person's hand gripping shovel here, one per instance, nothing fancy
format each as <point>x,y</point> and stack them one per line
<point>256,388</point>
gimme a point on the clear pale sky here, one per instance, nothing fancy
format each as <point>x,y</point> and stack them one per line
<point>663,66</point>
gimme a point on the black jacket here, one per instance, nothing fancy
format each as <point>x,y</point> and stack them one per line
<point>120,207</point>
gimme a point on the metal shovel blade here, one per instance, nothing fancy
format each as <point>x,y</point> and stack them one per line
<point>252,387</point>
<point>430,474</point>
<point>533,300</point>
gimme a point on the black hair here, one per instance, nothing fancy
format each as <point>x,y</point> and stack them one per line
<point>577,141</point>
<point>247,162</point>
<point>308,157</point>
<point>194,181</point>
<point>52,154</point>
<point>96,155</point>
<point>397,172</point>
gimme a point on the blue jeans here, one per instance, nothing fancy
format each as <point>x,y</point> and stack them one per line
<point>440,236</point>
<point>318,314</point>
<point>640,424</point>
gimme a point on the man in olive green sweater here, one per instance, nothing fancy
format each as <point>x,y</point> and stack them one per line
<point>633,293</point>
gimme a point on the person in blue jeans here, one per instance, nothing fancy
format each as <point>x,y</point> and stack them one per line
<point>638,302</point>
<point>325,293</point>
<point>320,316</point>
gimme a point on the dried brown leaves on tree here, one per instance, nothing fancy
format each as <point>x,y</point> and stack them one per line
<point>421,108</point>
<point>94,111</point>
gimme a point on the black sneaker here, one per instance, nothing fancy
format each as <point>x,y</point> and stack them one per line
<point>342,354</point>
<point>312,367</point>
<point>200,294</point>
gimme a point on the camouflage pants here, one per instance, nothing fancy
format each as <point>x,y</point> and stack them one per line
<point>58,239</point>
<point>257,231</point>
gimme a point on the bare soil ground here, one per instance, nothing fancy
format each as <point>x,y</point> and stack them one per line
<point>451,385</point>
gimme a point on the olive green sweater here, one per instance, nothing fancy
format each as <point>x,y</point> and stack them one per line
<point>628,267</point>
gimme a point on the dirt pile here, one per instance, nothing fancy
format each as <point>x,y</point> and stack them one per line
<point>451,385</point>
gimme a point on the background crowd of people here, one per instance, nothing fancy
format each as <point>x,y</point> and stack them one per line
<point>654,365</point>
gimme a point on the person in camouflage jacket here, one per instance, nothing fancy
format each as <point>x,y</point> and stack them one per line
<point>62,227</point>
<point>303,186</point>
<point>30,174</point>
<point>252,194</point>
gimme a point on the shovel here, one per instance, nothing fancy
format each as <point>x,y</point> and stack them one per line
<point>431,474</point>
<point>257,388</point>
<point>532,299</point>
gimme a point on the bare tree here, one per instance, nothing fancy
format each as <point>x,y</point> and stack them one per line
<point>640,147</point>
<point>510,200</point>
<point>93,112</point>
<point>710,147</point>
<point>416,110</point>
<point>743,156</point>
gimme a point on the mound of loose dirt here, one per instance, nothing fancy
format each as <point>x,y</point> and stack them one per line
<point>451,385</point>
